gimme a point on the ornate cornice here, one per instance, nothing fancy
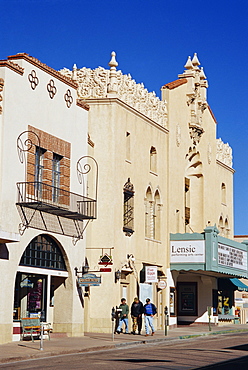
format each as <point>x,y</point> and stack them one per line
<point>94,83</point>
<point>44,68</point>
<point>223,153</point>
<point>13,66</point>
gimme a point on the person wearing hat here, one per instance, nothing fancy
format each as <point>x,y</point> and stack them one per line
<point>136,314</point>
<point>123,316</point>
<point>149,311</point>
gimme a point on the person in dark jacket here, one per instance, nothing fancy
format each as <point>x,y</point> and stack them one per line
<point>123,316</point>
<point>149,311</point>
<point>136,314</point>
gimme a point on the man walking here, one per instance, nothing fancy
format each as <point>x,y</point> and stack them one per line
<point>123,316</point>
<point>149,311</point>
<point>136,313</point>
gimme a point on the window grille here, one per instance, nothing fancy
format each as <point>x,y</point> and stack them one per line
<point>128,216</point>
<point>43,252</point>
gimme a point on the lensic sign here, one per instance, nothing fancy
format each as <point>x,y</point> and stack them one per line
<point>89,280</point>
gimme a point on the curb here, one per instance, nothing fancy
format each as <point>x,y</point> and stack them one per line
<point>112,346</point>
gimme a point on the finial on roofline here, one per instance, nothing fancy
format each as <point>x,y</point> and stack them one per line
<point>112,86</point>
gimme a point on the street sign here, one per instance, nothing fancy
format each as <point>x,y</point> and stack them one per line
<point>89,280</point>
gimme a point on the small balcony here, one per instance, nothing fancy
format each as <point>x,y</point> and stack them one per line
<point>49,199</point>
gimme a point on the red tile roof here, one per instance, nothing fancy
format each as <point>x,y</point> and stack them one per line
<point>43,67</point>
<point>174,84</point>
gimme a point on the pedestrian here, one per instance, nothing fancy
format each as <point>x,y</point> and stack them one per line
<point>136,314</point>
<point>149,311</point>
<point>123,316</point>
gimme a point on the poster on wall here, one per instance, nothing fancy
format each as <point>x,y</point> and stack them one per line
<point>187,299</point>
<point>172,301</point>
<point>151,274</point>
<point>145,291</point>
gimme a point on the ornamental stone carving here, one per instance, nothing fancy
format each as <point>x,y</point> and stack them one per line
<point>209,153</point>
<point>178,134</point>
<point>103,83</point>
<point>196,96</point>
<point>224,152</point>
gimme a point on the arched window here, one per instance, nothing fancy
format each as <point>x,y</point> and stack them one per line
<point>148,208</point>
<point>227,229</point>
<point>153,159</point>
<point>128,212</point>
<point>221,226</point>
<point>223,193</point>
<point>156,216</point>
<point>43,252</point>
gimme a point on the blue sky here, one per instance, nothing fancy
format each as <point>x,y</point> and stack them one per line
<point>152,39</point>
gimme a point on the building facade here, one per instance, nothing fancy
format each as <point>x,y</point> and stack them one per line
<point>129,140</point>
<point>44,209</point>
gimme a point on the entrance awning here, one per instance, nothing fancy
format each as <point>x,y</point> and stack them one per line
<point>239,285</point>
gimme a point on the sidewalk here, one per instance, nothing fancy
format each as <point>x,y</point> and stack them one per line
<point>59,345</point>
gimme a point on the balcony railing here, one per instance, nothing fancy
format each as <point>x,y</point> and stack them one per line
<point>46,198</point>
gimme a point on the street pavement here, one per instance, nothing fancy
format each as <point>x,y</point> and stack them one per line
<point>92,342</point>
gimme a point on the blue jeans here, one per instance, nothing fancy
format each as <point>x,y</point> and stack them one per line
<point>125,321</point>
<point>149,322</point>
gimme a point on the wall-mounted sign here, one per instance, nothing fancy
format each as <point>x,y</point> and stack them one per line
<point>105,269</point>
<point>151,274</point>
<point>89,280</point>
<point>105,260</point>
<point>162,284</point>
<point>187,251</point>
<point>232,257</point>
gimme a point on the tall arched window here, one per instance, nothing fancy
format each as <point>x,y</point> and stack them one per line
<point>153,159</point>
<point>148,208</point>
<point>221,226</point>
<point>156,216</point>
<point>223,193</point>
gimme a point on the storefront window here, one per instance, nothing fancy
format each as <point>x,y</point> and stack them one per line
<point>30,297</point>
<point>32,290</point>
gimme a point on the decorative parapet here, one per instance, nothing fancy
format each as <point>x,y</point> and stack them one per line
<point>97,83</point>
<point>223,152</point>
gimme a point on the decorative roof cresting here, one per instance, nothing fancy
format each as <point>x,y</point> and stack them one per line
<point>104,83</point>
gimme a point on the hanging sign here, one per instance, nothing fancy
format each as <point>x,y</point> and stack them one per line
<point>162,284</point>
<point>151,274</point>
<point>105,260</point>
<point>89,280</point>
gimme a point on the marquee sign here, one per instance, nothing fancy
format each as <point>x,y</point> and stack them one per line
<point>232,257</point>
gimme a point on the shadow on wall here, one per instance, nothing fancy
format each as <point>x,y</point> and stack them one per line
<point>4,252</point>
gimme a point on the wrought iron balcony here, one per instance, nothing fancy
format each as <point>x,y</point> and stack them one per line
<point>46,198</point>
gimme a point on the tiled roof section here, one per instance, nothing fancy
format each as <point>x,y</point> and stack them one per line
<point>44,67</point>
<point>82,104</point>
<point>13,66</point>
<point>174,84</point>
<point>212,114</point>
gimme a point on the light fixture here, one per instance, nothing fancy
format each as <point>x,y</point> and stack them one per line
<point>85,269</point>
<point>117,275</point>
